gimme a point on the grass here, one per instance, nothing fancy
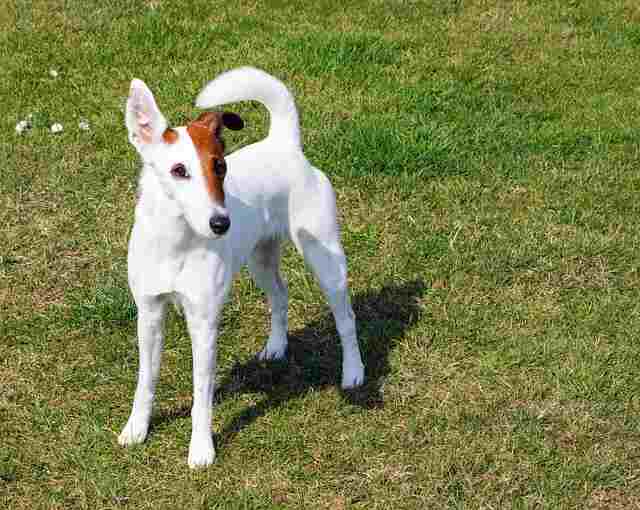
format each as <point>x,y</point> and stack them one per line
<point>485,158</point>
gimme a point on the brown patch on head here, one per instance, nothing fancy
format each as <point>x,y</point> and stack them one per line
<point>205,134</point>
<point>170,136</point>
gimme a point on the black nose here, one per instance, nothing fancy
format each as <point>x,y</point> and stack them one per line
<point>219,224</point>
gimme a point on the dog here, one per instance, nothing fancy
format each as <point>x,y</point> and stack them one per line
<point>201,216</point>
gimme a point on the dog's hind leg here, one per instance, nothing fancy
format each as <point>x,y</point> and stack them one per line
<point>314,231</point>
<point>264,266</point>
<point>151,313</point>
<point>327,260</point>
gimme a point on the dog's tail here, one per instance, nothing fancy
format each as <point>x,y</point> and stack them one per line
<point>249,83</point>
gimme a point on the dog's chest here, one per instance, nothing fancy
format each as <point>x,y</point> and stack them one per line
<point>162,261</point>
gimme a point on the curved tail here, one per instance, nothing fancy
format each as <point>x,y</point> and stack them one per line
<point>249,83</point>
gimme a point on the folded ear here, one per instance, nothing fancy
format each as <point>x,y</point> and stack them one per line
<point>145,122</point>
<point>232,121</point>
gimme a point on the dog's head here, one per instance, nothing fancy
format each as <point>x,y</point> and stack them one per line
<point>188,161</point>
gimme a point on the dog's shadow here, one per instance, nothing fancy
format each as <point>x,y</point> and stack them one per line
<point>314,359</point>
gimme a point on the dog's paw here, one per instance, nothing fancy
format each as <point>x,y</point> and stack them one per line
<point>272,351</point>
<point>201,453</point>
<point>134,432</point>
<point>352,375</point>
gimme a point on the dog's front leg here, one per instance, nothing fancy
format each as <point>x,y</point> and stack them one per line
<point>151,312</point>
<point>202,324</point>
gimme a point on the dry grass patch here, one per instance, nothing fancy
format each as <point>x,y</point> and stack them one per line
<point>613,499</point>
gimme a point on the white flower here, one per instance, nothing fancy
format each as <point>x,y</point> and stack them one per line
<point>22,126</point>
<point>56,128</point>
<point>84,125</point>
<point>53,73</point>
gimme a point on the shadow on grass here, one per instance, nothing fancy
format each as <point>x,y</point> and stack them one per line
<point>315,361</point>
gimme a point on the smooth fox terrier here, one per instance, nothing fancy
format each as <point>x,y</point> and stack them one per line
<point>201,216</point>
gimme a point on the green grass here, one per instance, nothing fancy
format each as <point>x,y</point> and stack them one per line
<point>485,156</point>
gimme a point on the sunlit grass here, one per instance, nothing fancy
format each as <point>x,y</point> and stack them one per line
<point>485,158</point>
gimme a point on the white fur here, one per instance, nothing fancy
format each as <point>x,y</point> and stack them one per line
<point>272,193</point>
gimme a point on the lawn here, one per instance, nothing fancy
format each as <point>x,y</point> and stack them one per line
<point>485,156</point>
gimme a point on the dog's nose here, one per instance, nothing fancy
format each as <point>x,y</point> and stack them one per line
<point>219,224</point>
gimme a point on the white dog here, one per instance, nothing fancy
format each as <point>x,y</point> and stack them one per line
<point>200,217</point>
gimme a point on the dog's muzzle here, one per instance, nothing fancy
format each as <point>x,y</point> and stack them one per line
<point>219,224</point>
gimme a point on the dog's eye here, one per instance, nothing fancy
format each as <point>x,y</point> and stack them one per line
<point>219,167</point>
<point>179,171</point>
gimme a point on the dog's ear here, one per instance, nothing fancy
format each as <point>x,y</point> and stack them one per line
<point>145,122</point>
<point>210,124</point>
<point>232,121</point>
